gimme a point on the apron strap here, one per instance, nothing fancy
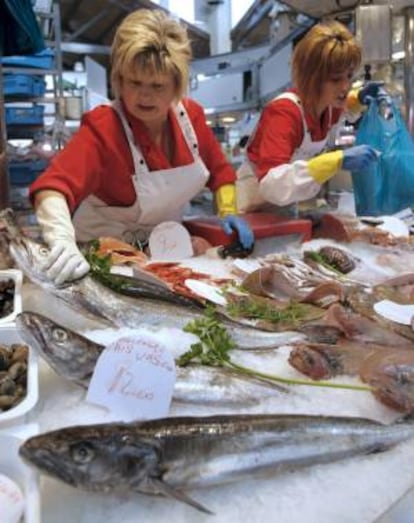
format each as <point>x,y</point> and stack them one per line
<point>293,97</point>
<point>140,165</point>
<point>187,128</point>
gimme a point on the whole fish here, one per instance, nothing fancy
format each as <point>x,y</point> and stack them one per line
<point>74,357</point>
<point>326,360</point>
<point>391,374</point>
<point>168,456</point>
<point>123,311</point>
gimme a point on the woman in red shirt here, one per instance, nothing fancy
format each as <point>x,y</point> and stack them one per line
<point>139,161</point>
<point>286,154</point>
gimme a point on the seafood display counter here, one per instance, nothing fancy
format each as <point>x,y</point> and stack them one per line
<point>354,490</point>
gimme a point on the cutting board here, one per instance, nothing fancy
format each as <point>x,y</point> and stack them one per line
<point>264,225</point>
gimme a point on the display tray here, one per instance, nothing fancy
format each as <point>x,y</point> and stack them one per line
<point>13,467</point>
<point>17,277</point>
<point>17,414</point>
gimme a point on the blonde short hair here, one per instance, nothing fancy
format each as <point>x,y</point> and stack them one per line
<point>150,40</point>
<point>328,48</point>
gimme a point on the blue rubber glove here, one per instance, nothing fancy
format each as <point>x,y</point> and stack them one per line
<point>370,91</point>
<point>359,157</point>
<point>231,223</point>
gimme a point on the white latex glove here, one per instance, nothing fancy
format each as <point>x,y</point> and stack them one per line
<point>65,261</point>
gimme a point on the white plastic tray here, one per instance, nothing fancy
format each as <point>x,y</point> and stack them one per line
<point>17,277</point>
<point>9,335</point>
<point>12,466</point>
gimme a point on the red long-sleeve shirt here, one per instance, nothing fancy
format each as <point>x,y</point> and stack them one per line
<point>280,132</point>
<point>97,160</point>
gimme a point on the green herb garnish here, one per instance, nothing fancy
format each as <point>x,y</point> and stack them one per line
<point>214,348</point>
<point>100,269</point>
<point>319,258</point>
<point>259,310</point>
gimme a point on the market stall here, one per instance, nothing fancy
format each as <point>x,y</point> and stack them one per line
<point>360,488</point>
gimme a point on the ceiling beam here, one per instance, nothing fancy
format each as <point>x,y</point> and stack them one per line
<point>83,28</point>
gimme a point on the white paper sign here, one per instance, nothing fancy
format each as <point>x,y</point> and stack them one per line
<point>394,226</point>
<point>395,311</point>
<point>134,378</point>
<point>122,270</point>
<point>207,291</point>
<point>170,241</point>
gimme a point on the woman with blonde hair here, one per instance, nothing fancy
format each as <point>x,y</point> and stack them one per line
<point>286,152</point>
<point>137,162</point>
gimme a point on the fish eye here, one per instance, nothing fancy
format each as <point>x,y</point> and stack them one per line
<point>44,251</point>
<point>82,452</point>
<point>59,335</point>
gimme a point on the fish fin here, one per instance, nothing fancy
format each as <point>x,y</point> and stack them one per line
<point>171,492</point>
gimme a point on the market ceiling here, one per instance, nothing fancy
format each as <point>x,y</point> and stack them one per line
<point>88,28</point>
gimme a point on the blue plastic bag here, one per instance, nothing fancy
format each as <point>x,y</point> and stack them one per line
<point>387,186</point>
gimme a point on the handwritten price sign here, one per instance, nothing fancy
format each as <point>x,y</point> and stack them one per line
<point>134,378</point>
<point>170,241</point>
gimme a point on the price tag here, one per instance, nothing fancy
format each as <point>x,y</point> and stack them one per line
<point>209,292</point>
<point>170,241</point>
<point>395,311</point>
<point>134,378</point>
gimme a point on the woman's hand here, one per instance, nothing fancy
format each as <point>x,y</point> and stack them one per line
<point>231,223</point>
<point>359,157</point>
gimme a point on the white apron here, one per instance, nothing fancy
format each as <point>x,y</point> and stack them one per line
<point>160,195</point>
<point>248,196</point>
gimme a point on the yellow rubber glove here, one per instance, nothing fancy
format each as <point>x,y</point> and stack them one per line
<point>352,101</point>
<point>226,200</point>
<point>324,166</point>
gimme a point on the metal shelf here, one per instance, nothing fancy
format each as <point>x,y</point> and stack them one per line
<point>29,70</point>
<point>51,26</point>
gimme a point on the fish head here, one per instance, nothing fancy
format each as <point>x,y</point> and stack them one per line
<point>311,362</point>
<point>391,374</point>
<point>67,352</point>
<point>31,257</point>
<point>93,457</point>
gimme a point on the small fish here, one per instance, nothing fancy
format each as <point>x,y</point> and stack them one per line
<point>391,374</point>
<point>170,455</point>
<point>74,357</point>
<point>324,360</point>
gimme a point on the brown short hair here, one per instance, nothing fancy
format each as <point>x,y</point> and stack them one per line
<point>327,48</point>
<point>150,40</point>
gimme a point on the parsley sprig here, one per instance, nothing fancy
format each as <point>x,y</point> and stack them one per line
<point>215,346</point>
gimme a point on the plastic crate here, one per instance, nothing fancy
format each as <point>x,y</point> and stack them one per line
<point>25,115</point>
<point>23,85</point>
<point>24,173</point>
<point>19,198</point>
<point>42,60</point>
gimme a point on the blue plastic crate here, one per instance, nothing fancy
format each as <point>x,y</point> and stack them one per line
<point>42,60</point>
<point>23,85</point>
<point>25,115</point>
<point>26,172</point>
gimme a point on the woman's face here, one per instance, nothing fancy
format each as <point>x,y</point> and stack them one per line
<point>336,88</point>
<point>147,96</point>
